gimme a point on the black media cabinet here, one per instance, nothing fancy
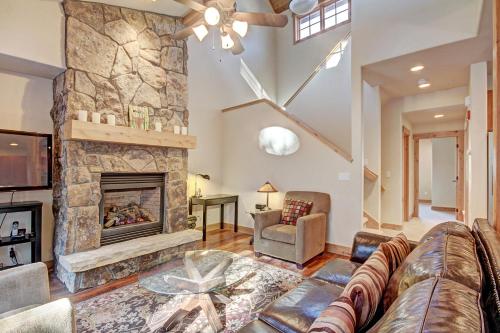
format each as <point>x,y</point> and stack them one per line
<point>35,236</point>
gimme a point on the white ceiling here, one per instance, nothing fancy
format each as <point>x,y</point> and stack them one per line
<point>446,66</point>
<point>167,7</point>
<point>451,113</point>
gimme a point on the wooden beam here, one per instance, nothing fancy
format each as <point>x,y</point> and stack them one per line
<point>279,6</point>
<point>496,116</point>
<point>434,135</point>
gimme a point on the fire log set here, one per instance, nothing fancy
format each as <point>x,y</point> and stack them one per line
<point>130,214</point>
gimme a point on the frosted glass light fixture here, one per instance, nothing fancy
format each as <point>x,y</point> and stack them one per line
<point>301,7</point>
<point>212,16</point>
<point>200,31</point>
<point>240,27</point>
<point>278,141</point>
<point>227,41</point>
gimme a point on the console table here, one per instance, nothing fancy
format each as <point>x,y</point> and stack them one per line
<point>215,200</point>
<point>35,236</point>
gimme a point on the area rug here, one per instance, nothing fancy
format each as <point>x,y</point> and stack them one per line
<point>128,309</point>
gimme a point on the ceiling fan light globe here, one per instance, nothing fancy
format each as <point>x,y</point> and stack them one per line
<point>227,41</point>
<point>240,27</point>
<point>200,32</point>
<point>212,16</point>
<point>301,7</point>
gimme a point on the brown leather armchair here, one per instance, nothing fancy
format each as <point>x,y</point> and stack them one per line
<point>293,243</point>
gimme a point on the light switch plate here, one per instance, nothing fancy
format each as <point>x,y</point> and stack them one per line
<point>344,176</point>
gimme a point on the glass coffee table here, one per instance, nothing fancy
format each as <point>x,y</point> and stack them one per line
<point>200,275</point>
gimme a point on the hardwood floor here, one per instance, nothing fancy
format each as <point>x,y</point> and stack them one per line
<point>216,239</point>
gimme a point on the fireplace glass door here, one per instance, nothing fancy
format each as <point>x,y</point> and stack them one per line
<point>132,206</point>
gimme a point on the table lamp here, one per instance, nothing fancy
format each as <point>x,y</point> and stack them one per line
<point>267,188</point>
<point>197,191</point>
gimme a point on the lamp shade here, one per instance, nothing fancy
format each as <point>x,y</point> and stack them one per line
<point>267,188</point>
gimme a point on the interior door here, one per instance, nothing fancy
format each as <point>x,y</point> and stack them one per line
<point>444,173</point>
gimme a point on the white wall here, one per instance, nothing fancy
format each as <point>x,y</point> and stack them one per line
<point>296,61</point>
<point>314,167</point>
<point>33,30</point>
<point>325,103</point>
<point>392,162</point>
<point>453,125</point>
<point>425,169</point>
<point>444,170</point>
<point>372,151</point>
<point>25,102</point>
<point>214,83</point>
<point>476,156</point>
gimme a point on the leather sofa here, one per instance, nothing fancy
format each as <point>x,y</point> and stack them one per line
<point>298,243</point>
<point>448,283</point>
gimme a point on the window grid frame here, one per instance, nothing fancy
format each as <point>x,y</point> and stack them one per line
<point>321,8</point>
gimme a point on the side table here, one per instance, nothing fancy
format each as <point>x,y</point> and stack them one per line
<point>215,200</point>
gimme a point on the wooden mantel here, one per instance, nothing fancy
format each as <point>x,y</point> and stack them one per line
<point>87,131</point>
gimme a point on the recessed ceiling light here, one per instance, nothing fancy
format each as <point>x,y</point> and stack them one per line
<point>417,68</point>
<point>438,115</point>
<point>422,84</point>
<point>13,144</point>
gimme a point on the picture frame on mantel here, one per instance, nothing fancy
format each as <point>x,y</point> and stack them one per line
<point>138,117</point>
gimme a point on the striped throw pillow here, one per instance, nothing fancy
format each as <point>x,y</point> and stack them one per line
<point>338,317</point>
<point>396,250</point>
<point>367,286</point>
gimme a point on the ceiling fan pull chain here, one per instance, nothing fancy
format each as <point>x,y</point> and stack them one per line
<point>213,39</point>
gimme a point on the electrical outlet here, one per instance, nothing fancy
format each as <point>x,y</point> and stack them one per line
<point>344,176</point>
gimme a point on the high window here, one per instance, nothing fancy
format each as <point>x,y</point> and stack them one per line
<point>326,16</point>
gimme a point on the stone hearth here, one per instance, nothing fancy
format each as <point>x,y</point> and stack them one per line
<point>116,57</point>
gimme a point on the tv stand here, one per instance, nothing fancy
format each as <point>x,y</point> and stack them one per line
<point>35,236</point>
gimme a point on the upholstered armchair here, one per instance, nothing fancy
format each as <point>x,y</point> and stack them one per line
<point>296,243</point>
<point>25,306</point>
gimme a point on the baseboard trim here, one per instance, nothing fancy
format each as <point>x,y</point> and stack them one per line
<point>339,249</point>
<point>391,226</point>
<point>443,209</point>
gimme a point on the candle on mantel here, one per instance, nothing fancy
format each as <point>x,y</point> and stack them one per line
<point>177,129</point>
<point>111,119</point>
<point>158,126</point>
<point>96,117</point>
<point>82,115</point>
<point>184,130</point>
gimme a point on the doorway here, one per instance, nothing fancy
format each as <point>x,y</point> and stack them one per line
<point>438,175</point>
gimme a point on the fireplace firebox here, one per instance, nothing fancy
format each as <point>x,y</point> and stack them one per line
<point>132,206</point>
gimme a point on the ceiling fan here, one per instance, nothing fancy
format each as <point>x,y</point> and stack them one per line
<point>231,23</point>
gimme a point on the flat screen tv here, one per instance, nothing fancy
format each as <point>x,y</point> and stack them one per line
<point>25,161</point>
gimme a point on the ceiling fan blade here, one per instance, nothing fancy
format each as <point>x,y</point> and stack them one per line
<point>226,4</point>
<point>238,47</point>
<point>193,5</point>
<point>263,19</point>
<point>184,33</point>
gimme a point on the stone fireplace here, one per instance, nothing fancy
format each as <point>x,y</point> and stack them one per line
<point>118,57</point>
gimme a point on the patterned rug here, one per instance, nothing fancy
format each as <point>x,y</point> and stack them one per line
<point>129,308</point>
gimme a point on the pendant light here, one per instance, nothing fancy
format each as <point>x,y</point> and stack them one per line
<point>301,7</point>
<point>212,16</point>
<point>227,41</point>
<point>200,31</point>
<point>240,27</point>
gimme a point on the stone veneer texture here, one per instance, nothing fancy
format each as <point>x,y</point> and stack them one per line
<point>116,57</point>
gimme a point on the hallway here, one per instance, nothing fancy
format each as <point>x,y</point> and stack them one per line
<point>418,226</point>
